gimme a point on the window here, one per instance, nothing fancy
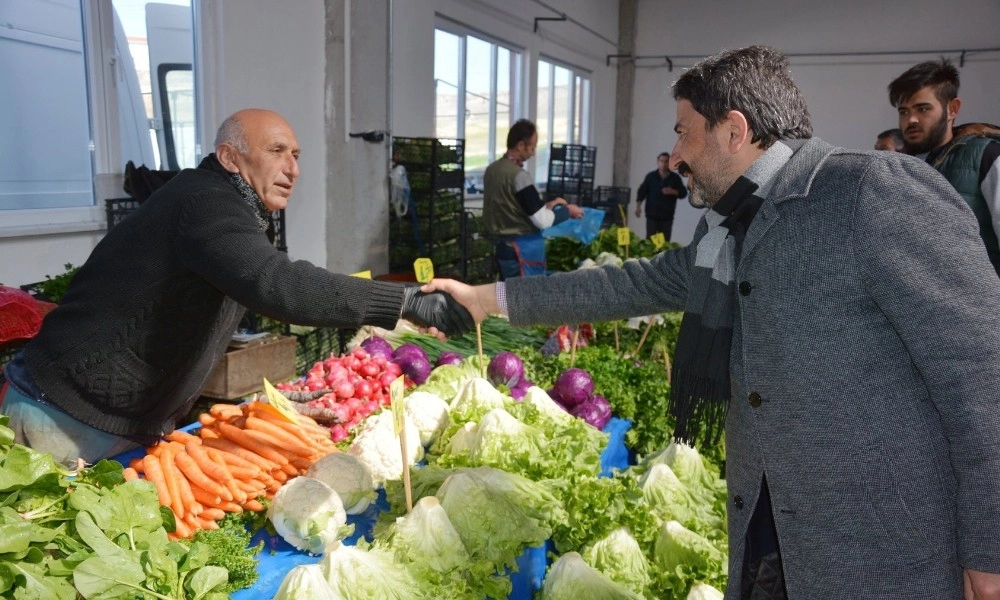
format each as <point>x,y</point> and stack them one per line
<point>476,96</point>
<point>78,101</point>
<point>563,111</point>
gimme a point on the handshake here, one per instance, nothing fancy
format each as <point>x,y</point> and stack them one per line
<point>437,310</point>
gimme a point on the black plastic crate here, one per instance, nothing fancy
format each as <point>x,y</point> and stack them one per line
<point>612,213</point>
<point>401,256</point>
<point>403,229</point>
<point>481,270</point>
<point>7,353</point>
<point>437,205</point>
<point>604,194</point>
<point>119,208</point>
<point>428,152</point>
<point>317,344</point>
<point>571,169</point>
<point>573,152</point>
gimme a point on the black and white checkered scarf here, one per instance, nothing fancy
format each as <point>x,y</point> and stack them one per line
<point>700,384</point>
<point>252,199</point>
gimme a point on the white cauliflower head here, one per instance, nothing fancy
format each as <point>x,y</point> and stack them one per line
<point>429,412</point>
<point>308,514</point>
<point>377,446</point>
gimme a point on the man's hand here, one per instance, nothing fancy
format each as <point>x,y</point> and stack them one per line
<point>670,191</point>
<point>575,212</point>
<point>638,210</point>
<point>981,586</point>
<point>436,310</point>
<point>481,300</point>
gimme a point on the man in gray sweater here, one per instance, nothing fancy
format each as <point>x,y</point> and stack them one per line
<point>852,352</point>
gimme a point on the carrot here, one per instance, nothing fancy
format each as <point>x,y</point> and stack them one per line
<point>157,449</point>
<point>206,420</point>
<point>242,438</point>
<point>182,529</point>
<point>154,472</point>
<point>205,498</point>
<point>207,433</point>
<point>129,473</point>
<point>208,466</point>
<point>252,488</point>
<point>190,468</point>
<point>287,439</point>
<point>230,507</point>
<point>279,475</point>
<point>216,514</point>
<point>237,450</point>
<point>182,437</point>
<point>253,505</point>
<point>207,524</point>
<point>293,428</point>
<point>283,447</point>
<point>234,462</point>
<point>136,464</point>
<point>187,496</point>
<point>170,477</point>
<point>224,411</point>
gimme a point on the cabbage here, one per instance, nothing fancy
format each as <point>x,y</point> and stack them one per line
<point>703,591</point>
<point>694,472</point>
<point>505,368</point>
<point>574,386</point>
<point>667,496</point>
<point>619,556</point>
<point>308,514</point>
<point>504,442</point>
<point>678,546</point>
<point>429,413</point>
<point>497,514</point>
<point>570,578</point>
<point>447,380</point>
<point>550,411</point>
<point>349,477</point>
<point>590,412</point>
<point>376,346</point>
<point>306,581</point>
<point>477,398</point>
<point>357,574</point>
<point>462,441</point>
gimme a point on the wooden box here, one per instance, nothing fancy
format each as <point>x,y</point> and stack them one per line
<point>242,370</point>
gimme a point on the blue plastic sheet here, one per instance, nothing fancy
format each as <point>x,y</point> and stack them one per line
<point>278,557</point>
<point>584,229</point>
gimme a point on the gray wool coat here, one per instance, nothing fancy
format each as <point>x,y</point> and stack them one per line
<point>871,332</point>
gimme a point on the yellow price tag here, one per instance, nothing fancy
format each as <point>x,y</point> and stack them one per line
<point>362,274</point>
<point>624,236</point>
<point>658,240</point>
<point>396,403</point>
<point>280,404</point>
<point>423,268</point>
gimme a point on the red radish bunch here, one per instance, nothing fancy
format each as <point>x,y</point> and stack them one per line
<point>358,384</point>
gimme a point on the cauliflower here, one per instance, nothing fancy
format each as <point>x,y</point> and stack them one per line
<point>377,446</point>
<point>308,514</point>
<point>349,477</point>
<point>429,413</point>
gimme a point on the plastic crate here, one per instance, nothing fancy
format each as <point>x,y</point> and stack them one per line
<point>604,194</point>
<point>7,353</point>
<point>612,213</point>
<point>119,208</point>
<point>440,230</point>
<point>316,344</point>
<point>574,169</point>
<point>427,152</point>
<point>573,152</point>
<point>436,205</point>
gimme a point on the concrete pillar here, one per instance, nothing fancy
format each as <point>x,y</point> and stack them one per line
<point>625,90</point>
<point>357,97</point>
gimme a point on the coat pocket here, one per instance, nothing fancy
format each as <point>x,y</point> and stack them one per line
<point>900,531</point>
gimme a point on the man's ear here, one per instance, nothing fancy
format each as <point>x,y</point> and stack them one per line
<point>953,107</point>
<point>738,130</point>
<point>227,156</point>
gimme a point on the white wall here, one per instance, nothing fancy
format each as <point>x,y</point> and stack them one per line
<point>846,96</point>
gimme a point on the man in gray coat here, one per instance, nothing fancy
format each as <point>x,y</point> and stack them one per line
<point>852,351</point>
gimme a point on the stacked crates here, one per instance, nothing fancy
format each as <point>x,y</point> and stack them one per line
<point>432,226</point>
<point>571,173</point>
<point>479,265</point>
<point>614,202</point>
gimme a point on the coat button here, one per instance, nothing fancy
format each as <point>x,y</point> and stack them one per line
<point>745,288</point>
<point>754,399</point>
<point>738,502</point>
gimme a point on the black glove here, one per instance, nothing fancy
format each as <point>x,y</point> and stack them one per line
<point>436,309</point>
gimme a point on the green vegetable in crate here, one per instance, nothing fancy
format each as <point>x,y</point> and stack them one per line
<point>231,548</point>
<point>358,574</point>
<point>571,578</point>
<point>683,557</point>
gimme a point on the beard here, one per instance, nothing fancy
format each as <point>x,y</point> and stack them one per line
<point>934,138</point>
<point>707,187</point>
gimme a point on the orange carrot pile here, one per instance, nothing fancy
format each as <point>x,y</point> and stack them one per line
<point>242,453</point>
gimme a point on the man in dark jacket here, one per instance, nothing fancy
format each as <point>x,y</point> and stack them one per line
<point>926,97</point>
<point>155,305</point>
<point>662,188</point>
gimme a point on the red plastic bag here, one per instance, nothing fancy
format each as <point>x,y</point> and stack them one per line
<point>20,314</point>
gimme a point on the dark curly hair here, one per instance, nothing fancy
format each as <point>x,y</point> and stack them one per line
<point>940,74</point>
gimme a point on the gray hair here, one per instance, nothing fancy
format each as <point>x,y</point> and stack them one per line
<point>755,81</point>
<point>232,132</point>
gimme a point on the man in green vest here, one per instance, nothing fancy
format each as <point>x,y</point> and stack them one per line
<point>968,156</point>
<point>513,211</point>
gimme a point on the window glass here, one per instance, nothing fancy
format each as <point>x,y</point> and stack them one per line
<point>447,61</point>
<point>543,121</point>
<point>45,155</point>
<point>503,121</point>
<point>563,109</point>
<point>478,100</point>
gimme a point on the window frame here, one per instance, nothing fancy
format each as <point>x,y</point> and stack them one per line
<point>516,85</point>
